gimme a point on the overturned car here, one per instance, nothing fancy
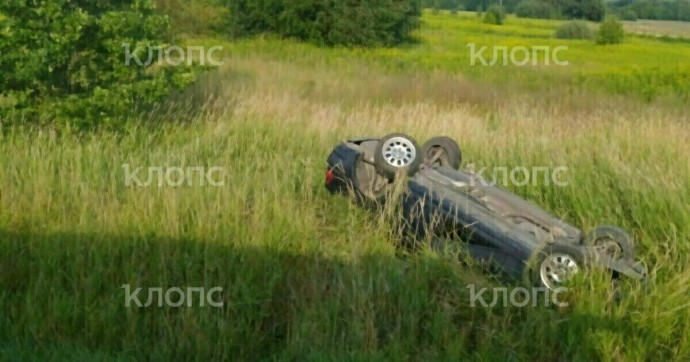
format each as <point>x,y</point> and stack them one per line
<point>495,225</point>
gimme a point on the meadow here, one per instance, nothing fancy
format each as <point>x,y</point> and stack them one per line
<point>309,276</point>
<point>659,28</point>
<point>642,67</point>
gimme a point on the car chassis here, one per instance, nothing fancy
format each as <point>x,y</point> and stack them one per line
<point>496,226</point>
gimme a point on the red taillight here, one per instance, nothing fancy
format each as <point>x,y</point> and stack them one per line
<point>329,177</point>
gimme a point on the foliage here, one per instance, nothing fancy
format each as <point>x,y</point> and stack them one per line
<point>494,15</point>
<point>327,22</point>
<point>195,17</point>
<point>628,15</point>
<point>470,5</point>
<point>535,9</point>
<point>575,29</point>
<point>442,4</point>
<point>64,60</point>
<point>593,10</point>
<point>610,31</point>
<point>655,10</point>
<point>568,9</point>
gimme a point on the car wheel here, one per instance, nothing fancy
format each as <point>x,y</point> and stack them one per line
<point>396,152</point>
<point>442,151</point>
<point>556,264</point>
<point>611,241</point>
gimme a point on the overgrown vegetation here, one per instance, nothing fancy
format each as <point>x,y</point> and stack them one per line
<point>494,15</point>
<point>470,5</point>
<point>323,281</point>
<point>536,9</point>
<point>610,31</point>
<point>654,10</point>
<point>574,30</point>
<point>310,276</point>
<point>629,71</point>
<point>628,15</point>
<point>196,17</point>
<point>65,61</point>
<point>325,22</point>
<point>576,9</point>
<point>567,9</point>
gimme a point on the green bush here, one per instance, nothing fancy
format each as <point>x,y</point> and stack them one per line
<point>610,31</point>
<point>576,29</point>
<point>64,60</point>
<point>328,22</point>
<point>494,15</point>
<point>535,9</point>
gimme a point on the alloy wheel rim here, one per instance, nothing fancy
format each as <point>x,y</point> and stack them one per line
<point>556,269</point>
<point>399,152</point>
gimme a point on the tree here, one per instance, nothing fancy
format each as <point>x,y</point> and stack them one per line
<point>328,22</point>
<point>63,60</point>
<point>610,31</point>
<point>570,9</point>
<point>583,9</point>
<point>494,15</point>
<point>535,9</point>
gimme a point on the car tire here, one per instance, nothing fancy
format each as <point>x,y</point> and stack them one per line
<point>611,241</point>
<point>556,263</point>
<point>396,152</point>
<point>450,152</point>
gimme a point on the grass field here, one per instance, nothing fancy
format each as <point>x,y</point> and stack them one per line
<point>659,28</point>
<point>308,276</point>
<point>644,68</point>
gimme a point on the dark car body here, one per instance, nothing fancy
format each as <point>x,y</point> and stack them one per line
<point>494,224</point>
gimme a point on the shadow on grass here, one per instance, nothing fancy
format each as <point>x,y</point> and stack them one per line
<point>62,297</point>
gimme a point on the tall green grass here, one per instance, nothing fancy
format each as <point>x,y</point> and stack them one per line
<point>307,275</point>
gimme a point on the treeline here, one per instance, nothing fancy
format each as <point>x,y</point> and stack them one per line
<point>576,9</point>
<point>654,10</point>
<point>470,5</point>
<point>328,22</point>
<point>540,9</point>
<point>323,22</point>
<point>562,9</point>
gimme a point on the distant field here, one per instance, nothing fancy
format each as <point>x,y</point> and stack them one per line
<point>659,28</point>
<point>644,68</point>
<point>310,276</point>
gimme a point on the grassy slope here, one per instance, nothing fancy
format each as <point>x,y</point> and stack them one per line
<point>307,275</point>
